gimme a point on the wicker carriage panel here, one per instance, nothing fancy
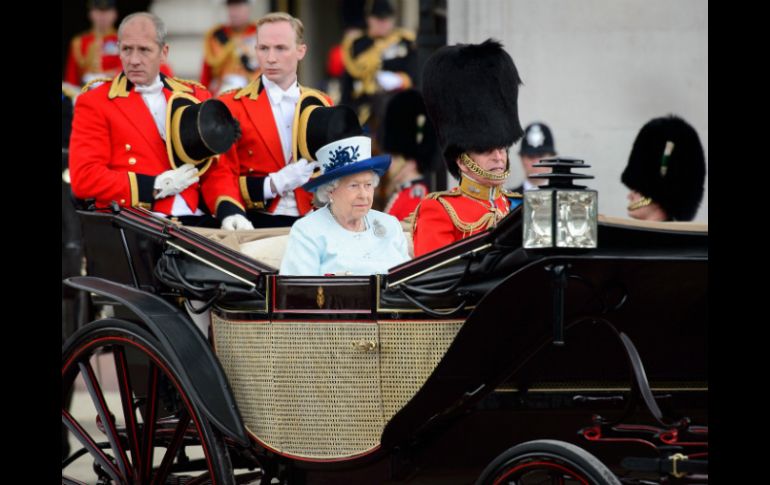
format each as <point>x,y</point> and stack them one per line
<point>327,393</point>
<point>409,351</point>
<point>243,349</point>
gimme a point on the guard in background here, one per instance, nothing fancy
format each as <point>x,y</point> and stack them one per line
<point>382,60</point>
<point>94,53</point>
<point>409,136</point>
<point>230,58</point>
<point>470,93</point>
<point>666,171</point>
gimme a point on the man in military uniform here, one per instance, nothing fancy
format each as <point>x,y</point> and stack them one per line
<point>382,60</point>
<point>257,183</point>
<point>94,53</point>
<point>230,60</point>
<point>118,147</point>
<point>666,171</point>
<point>408,135</point>
<point>471,93</point>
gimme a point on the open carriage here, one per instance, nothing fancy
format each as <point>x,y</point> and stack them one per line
<point>480,362</point>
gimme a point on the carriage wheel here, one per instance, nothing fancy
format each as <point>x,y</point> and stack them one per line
<point>141,426</point>
<point>546,462</point>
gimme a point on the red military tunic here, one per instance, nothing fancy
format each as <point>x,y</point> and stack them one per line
<point>445,217</point>
<point>229,52</point>
<point>235,184</point>
<point>94,55</point>
<point>115,147</point>
<point>406,200</point>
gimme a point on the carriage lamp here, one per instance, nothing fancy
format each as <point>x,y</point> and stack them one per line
<point>560,214</point>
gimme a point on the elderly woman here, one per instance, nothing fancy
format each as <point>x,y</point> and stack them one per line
<point>345,236</point>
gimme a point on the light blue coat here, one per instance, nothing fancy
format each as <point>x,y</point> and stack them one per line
<point>318,245</point>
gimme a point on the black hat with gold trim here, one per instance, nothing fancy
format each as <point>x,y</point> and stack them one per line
<point>667,166</point>
<point>471,95</point>
<point>407,130</point>
<point>381,9</point>
<point>101,4</point>
<point>197,131</point>
<point>333,136</point>
<point>307,100</point>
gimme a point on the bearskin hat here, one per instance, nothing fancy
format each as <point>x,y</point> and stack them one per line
<point>471,93</point>
<point>406,129</point>
<point>675,183</point>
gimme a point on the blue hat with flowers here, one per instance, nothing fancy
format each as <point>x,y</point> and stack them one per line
<point>333,136</point>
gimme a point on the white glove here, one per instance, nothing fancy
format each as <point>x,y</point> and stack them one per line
<point>293,175</point>
<point>172,182</point>
<point>236,222</point>
<point>389,80</point>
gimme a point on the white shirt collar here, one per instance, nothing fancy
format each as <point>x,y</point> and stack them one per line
<point>154,87</point>
<point>277,94</point>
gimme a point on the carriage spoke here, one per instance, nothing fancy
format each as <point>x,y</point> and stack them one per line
<point>88,442</point>
<point>151,408</point>
<point>173,447</point>
<point>95,390</point>
<point>127,398</point>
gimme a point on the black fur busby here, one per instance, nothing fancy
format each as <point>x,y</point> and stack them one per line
<point>101,4</point>
<point>675,181</point>
<point>379,8</point>
<point>471,93</point>
<point>407,130</point>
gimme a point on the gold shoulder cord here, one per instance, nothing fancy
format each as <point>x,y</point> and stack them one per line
<point>485,222</point>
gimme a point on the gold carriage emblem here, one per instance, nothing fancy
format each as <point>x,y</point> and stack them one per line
<point>319,297</point>
<point>364,345</point>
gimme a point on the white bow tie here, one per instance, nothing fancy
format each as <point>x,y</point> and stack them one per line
<point>153,88</point>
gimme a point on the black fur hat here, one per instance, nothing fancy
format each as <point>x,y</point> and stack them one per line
<point>471,93</point>
<point>406,129</point>
<point>675,183</point>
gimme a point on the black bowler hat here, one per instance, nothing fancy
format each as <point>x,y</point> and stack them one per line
<point>197,131</point>
<point>667,165</point>
<point>537,141</point>
<point>101,4</point>
<point>333,136</point>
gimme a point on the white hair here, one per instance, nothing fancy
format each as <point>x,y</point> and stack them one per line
<point>322,194</point>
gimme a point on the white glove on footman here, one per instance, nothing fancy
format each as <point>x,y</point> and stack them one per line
<point>236,222</point>
<point>293,175</point>
<point>389,80</point>
<point>172,182</point>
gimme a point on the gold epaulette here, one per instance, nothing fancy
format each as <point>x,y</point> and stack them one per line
<point>407,34</point>
<point>190,81</point>
<point>88,85</point>
<point>512,194</point>
<point>444,193</point>
<point>69,90</point>
<point>251,90</point>
<point>228,91</point>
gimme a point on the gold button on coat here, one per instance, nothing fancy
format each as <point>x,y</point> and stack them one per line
<point>128,147</point>
<point>132,161</point>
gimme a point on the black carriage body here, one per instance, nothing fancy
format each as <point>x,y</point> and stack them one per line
<point>436,368</point>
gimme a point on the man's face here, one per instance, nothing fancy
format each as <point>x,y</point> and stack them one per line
<point>528,160</point>
<point>140,53</point>
<point>278,52</point>
<point>495,161</point>
<point>380,27</point>
<point>239,14</point>
<point>102,20</point>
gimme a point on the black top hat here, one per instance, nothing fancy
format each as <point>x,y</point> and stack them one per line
<point>471,93</point>
<point>407,130</point>
<point>101,4</point>
<point>196,131</point>
<point>537,140</point>
<point>307,99</point>
<point>667,165</point>
<point>333,136</point>
<point>380,9</point>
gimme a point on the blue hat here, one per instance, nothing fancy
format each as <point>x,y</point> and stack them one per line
<point>333,136</point>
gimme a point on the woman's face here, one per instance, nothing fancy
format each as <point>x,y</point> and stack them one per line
<point>353,196</point>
